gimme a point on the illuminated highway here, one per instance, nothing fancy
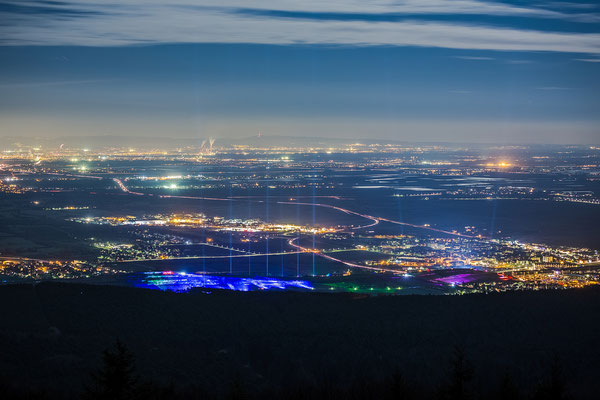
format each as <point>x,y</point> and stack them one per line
<point>124,188</point>
<point>374,220</point>
<point>328,257</point>
<point>212,257</point>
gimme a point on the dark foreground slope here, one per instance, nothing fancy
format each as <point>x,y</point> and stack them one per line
<point>52,336</point>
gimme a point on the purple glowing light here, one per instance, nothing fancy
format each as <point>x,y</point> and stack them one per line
<point>458,279</point>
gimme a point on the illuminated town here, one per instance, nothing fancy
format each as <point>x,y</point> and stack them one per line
<point>294,212</point>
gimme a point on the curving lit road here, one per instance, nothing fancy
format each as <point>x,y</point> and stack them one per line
<point>374,220</point>
<point>328,257</point>
<point>283,253</point>
<point>124,188</point>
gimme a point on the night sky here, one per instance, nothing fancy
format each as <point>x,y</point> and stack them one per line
<point>423,70</point>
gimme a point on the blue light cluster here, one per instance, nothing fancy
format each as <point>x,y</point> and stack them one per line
<point>183,282</point>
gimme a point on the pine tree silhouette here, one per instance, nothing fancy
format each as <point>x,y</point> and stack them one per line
<point>553,387</point>
<point>116,379</point>
<point>461,373</point>
<point>507,389</point>
<point>399,389</point>
<point>238,389</point>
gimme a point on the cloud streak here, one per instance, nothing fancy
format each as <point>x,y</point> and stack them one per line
<point>475,58</point>
<point>134,22</point>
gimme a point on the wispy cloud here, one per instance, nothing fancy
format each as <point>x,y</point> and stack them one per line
<point>519,62</point>
<point>475,58</point>
<point>130,22</point>
<point>474,7</point>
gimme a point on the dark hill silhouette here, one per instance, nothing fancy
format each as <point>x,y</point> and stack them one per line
<point>53,335</point>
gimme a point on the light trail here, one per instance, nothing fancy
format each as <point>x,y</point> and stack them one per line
<point>8,258</point>
<point>170,196</point>
<point>376,220</point>
<point>124,188</point>
<point>167,196</point>
<point>344,210</point>
<point>229,198</point>
<point>292,197</point>
<point>72,175</point>
<point>432,229</point>
<point>12,170</point>
<point>210,257</point>
<point>207,244</point>
<point>328,257</point>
